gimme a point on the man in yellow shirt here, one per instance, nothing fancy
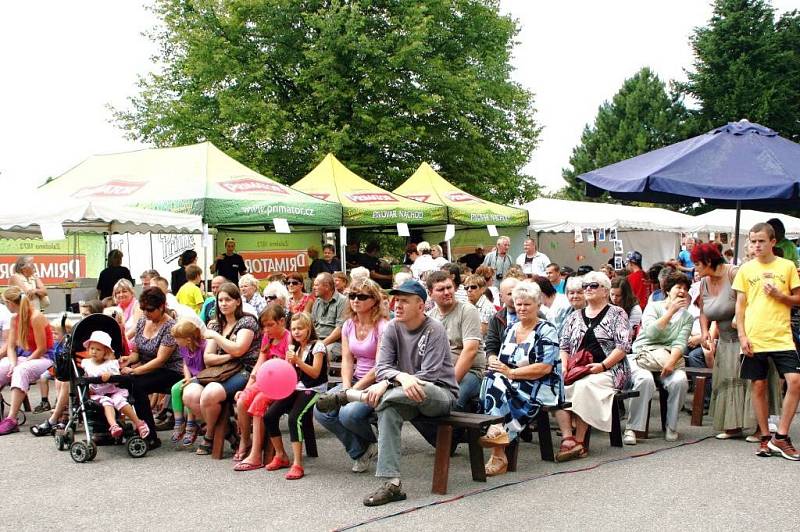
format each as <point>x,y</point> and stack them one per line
<point>767,287</point>
<point>190,294</point>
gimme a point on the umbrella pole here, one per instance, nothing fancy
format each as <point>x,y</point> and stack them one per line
<point>736,232</point>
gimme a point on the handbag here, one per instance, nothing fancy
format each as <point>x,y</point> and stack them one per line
<point>578,366</point>
<point>655,358</point>
<point>219,373</point>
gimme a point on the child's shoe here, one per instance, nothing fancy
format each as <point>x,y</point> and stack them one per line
<point>115,431</point>
<point>178,431</point>
<point>143,429</point>
<point>295,472</point>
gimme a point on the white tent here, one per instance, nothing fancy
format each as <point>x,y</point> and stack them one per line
<point>44,215</point>
<point>724,219</point>
<point>653,232</point>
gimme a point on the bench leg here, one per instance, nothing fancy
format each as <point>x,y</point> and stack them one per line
<point>441,464</point>
<point>26,404</point>
<point>309,435</point>
<point>545,436</point>
<point>698,400</point>
<point>616,427</point>
<point>220,430</point>
<point>476,462</point>
<point>662,403</point>
<point>512,453</point>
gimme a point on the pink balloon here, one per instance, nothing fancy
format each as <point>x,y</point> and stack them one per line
<point>276,379</point>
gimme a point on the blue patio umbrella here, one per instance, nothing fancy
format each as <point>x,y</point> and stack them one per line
<point>739,164</point>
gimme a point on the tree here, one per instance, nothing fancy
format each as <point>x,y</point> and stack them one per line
<point>641,117</point>
<point>747,65</point>
<point>382,84</point>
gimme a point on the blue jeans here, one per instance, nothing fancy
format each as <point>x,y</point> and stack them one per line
<point>351,424</point>
<point>468,391</point>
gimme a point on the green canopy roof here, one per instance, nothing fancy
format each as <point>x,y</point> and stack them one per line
<point>197,179</point>
<point>463,208</point>
<point>363,203</point>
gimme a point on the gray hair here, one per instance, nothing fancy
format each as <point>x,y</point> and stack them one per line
<point>149,274</point>
<point>401,277</point>
<point>573,283</point>
<point>527,290</point>
<point>359,273</point>
<point>22,261</point>
<point>248,279</point>
<point>123,284</point>
<point>423,246</point>
<point>276,288</point>
<point>597,277</point>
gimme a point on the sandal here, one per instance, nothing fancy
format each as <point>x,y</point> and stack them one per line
<point>205,447</point>
<point>44,428</point>
<point>190,435</point>
<point>570,452</point>
<point>496,466</point>
<point>143,429</point>
<point>385,494</point>
<point>115,431</point>
<point>295,472</point>
<point>496,438</point>
<point>247,466</point>
<point>178,431</point>
<point>241,454</point>
<point>278,463</point>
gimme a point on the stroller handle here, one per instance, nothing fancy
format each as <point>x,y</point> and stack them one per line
<point>116,379</point>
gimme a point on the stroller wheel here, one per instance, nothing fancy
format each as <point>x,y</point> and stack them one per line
<point>79,451</point>
<point>62,442</point>
<point>92,450</point>
<point>137,447</point>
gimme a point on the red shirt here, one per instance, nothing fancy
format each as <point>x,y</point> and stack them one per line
<point>639,286</point>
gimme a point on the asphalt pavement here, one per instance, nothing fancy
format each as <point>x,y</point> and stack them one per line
<point>698,483</point>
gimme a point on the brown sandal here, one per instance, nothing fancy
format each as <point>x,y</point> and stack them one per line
<point>566,453</point>
<point>496,466</point>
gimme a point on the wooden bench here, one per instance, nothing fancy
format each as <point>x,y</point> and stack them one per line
<point>700,376</point>
<point>546,446</point>
<point>475,426</point>
<point>334,374</point>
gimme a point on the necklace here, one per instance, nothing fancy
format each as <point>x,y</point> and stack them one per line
<point>362,331</point>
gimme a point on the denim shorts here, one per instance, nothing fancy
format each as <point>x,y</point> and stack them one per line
<point>235,384</point>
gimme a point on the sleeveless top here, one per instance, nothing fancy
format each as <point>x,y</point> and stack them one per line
<point>48,334</point>
<point>721,308</point>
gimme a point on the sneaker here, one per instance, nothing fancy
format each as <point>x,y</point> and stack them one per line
<point>784,448</point>
<point>387,493</point>
<point>8,425</point>
<point>44,406</point>
<point>763,447</point>
<point>166,423</point>
<point>671,435</point>
<point>362,463</point>
<point>328,402</point>
<point>629,437</point>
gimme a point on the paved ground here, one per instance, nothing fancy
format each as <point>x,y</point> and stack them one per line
<point>708,485</point>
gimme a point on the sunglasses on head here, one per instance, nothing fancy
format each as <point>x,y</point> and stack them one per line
<point>360,297</point>
<point>593,286</point>
<point>472,287</point>
<point>290,283</point>
<point>272,298</point>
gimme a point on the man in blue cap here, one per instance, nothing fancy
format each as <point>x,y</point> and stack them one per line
<point>415,377</point>
<point>637,278</point>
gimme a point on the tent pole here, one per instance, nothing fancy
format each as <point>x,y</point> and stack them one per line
<point>736,232</point>
<point>343,251</point>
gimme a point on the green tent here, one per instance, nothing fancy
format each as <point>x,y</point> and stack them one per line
<point>463,208</point>
<point>197,179</point>
<point>363,203</point>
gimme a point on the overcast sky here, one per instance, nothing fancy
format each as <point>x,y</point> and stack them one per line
<point>64,62</point>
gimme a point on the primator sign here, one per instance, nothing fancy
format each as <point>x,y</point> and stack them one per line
<point>51,269</point>
<point>263,263</point>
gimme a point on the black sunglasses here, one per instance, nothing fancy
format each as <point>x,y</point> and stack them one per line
<point>593,286</point>
<point>472,287</point>
<point>289,283</point>
<point>149,309</point>
<point>360,297</point>
<point>271,298</point>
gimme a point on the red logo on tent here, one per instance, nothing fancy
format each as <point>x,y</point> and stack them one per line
<point>248,184</point>
<point>419,197</point>
<point>372,197</point>
<point>321,196</point>
<point>462,196</point>
<point>110,189</point>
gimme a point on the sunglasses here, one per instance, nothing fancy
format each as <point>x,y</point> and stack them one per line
<point>290,283</point>
<point>272,298</point>
<point>472,287</point>
<point>593,286</point>
<point>360,297</point>
<point>149,309</point>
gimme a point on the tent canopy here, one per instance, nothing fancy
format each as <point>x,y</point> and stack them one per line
<point>554,215</point>
<point>88,216</point>
<point>196,179</point>
<point>722,220</point>
<point>363,203</point>
<point>462,208</point>
<point>741,161</point>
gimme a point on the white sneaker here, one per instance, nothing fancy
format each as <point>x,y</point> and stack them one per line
<point>629,437</point>
<point>362,463</point>
<point>671,435</point>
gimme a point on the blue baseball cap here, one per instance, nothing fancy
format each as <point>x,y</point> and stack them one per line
<point>635,257</point>
<point>410,288</point>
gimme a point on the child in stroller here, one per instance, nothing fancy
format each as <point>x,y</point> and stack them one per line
<point>102,363</point>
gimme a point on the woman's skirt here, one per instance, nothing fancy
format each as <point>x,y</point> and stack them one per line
<point>592,399</point>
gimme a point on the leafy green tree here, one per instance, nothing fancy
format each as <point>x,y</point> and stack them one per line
<point>747,65</point>
<point>383,84</point>
<point>641,117</point>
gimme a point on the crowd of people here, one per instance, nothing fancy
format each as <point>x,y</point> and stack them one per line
<point>487,334</point>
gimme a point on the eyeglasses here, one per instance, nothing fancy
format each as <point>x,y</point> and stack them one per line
<point>290,283</point>
<point>593,286</point>
<point>360,297</point>
<point>149,309</point>
<point>271,298</point>
<point>472,287</point>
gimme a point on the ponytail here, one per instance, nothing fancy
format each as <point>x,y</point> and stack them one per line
<point>17,296</point>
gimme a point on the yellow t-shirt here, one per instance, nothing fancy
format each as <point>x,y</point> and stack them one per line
<point>190,295</point>
<point>766,320</point>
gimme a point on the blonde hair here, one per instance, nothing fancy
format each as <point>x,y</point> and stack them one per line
<point>367,286</point>
<point>188,329</point>
<point>307,324</point>
<point>15,295</point>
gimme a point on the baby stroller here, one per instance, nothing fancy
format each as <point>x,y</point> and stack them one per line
<point>81,408</point>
